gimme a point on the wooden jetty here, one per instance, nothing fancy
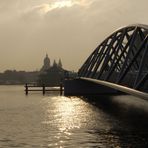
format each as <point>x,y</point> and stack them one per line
<point>43,88</point>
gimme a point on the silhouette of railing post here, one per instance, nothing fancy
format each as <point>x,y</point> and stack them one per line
<point>26,89</point>
<point>43,89</point>
<point>61,89</point>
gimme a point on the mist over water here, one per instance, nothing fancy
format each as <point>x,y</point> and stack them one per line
<point>58,121</point>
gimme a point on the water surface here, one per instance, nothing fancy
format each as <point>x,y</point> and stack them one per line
<point>58,121</point>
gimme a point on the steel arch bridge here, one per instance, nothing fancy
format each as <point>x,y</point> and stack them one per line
<point>122,59</point>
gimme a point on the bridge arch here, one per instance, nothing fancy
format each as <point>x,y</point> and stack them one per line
<point>122,58</point>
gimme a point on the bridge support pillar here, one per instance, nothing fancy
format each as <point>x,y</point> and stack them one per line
<point>78,87</point>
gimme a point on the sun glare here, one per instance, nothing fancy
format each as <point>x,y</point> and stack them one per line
<point>45,8</point>
<point>57,4</point>
<point>64,3</point>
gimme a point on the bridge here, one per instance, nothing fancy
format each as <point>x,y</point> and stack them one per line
<point>118,64</point>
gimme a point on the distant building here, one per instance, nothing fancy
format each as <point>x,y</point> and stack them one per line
<point>18,77</point>
<point>51,75</point>
<point>46,64</point>
<point>60,63</point>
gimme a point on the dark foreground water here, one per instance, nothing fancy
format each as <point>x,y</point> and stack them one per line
<point>37,121</point>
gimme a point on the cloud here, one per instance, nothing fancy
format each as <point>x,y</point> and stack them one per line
<point>69,31</point>
<point>44,8</point>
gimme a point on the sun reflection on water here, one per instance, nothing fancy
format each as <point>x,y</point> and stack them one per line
<point>62,117</point>
<point>66,119</point>
<point>67,113</point>
<point>64,114</point>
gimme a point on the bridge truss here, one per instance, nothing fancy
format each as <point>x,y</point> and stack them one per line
<point>122,58</point>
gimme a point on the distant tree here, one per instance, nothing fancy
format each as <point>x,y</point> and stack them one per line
<point>18,77</point>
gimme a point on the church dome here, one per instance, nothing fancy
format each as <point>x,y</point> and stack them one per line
<point>46,60</point>
<point>46,64</point>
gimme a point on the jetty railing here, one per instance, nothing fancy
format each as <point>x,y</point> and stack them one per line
<point>42,88</point>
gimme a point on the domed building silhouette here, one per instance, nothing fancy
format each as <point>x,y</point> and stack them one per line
<point>51,74</point>
<point>46,65</point>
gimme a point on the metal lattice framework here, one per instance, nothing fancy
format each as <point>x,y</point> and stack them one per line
<point>122,58</point>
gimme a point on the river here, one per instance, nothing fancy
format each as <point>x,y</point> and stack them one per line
<point>37,121</point>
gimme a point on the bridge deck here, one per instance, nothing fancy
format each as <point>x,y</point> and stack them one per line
<point>118,87</point>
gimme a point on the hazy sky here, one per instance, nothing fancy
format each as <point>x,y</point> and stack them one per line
<point>66,29</point>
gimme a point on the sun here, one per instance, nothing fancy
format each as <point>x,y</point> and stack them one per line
<point>57,4</point>
<point>62,3</point>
